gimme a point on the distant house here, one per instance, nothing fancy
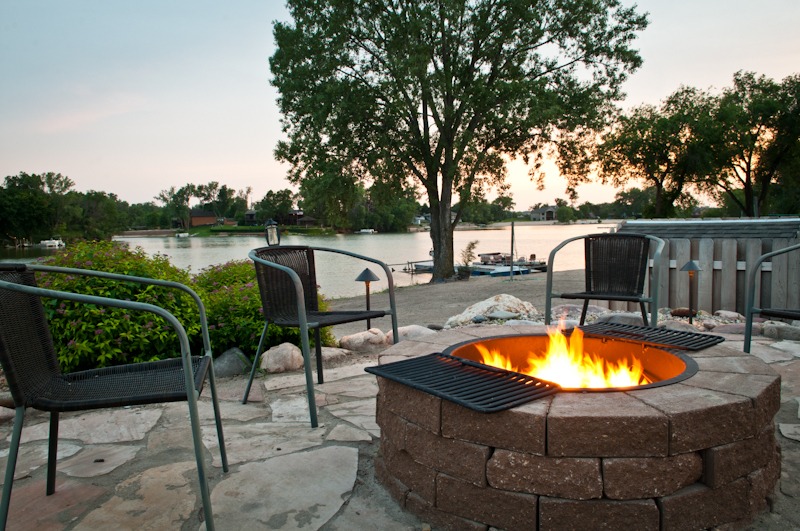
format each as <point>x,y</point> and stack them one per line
<point>250,218</point>
<point>200,218</point>
<point>546,213</point>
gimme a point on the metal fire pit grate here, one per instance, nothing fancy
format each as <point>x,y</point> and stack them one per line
<point>660,337</point>
<point>469,384</point>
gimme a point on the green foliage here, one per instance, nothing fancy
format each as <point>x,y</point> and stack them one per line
<point>443,93</point>
<point>233,306</point>
<point>88,336</point>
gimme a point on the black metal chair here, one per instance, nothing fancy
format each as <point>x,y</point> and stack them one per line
<point>287,281</point>
<point>750,306</point>
<point>31,368</point>
<point>616,268</point>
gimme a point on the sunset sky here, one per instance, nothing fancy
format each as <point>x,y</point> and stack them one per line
<point>134,97</point>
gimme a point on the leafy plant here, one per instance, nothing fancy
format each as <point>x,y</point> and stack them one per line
<point>89,336</point>
<point>233,305</point>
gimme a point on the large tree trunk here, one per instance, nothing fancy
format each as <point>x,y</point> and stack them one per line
<point>442,238</point>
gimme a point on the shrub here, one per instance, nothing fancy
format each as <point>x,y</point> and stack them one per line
<point>233,305</point>
<point>88,336</point>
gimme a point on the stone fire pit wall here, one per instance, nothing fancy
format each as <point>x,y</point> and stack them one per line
<point>691,455</point>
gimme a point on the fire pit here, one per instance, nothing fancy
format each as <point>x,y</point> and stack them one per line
<point>690,453</point>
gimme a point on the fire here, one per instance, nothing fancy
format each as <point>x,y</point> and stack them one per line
<point>566,364</point>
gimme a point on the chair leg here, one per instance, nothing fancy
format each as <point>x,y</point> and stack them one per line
<point>312,401</point>
<point>212,383</point>
<point>11,464</point>
<point>644,314</point>
<point>255,363</point>
<point>52,453</point>
<point>197,439</point>
<point>583,312</point>
<point>318,350</point>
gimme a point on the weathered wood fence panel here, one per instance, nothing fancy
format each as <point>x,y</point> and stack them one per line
<point>721,282</point>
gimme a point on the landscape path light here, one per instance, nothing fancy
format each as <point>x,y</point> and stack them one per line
<point>366,277</point>
<point>692,267</point>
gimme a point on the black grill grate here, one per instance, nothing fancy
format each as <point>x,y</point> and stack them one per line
<point>469,384</point>
<point>660,337</point>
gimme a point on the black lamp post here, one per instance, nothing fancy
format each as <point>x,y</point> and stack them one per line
<point>366,277</point>
<point>692,267</point>
<point>272,233</point>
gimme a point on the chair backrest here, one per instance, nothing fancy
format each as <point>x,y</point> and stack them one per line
<point>26,346</point>
<point>278,294</point>
<point>616,263</point>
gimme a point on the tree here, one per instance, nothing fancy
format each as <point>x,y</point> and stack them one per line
<point>664,147</point>
<point>276,205</point>
<point>176,202</point>
<point>757,129</point>
<point>441,93</point>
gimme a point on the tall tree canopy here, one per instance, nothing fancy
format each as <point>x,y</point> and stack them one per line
<point>442,92</point>
<point>757,139</point>
<point>665,147</point>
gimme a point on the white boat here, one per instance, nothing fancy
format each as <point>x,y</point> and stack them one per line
<point>366,231</point>
<point>181,234</point>
<point>505,271</point>
<point>52,243</point>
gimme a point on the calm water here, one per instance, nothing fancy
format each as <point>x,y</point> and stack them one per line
<point>336,273</point>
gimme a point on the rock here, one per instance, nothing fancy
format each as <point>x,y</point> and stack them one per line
<point>729,315</point>
<point>523,322</point>
<point>572,312</point>
<point>683,312</point>
<point>498,303</point>
<point>435,327</point>
<point>780,330</point>
<point>232,362</point>
<point>333,353</point>
<point>410,332</point>
<point>282,358</point>
<point>710,325</point>
<point>368,341</point>
<point>502,315</point>
<point>677,325</point>
<point>734,328</point>
<point>478,319</point>
<point>628,318</point>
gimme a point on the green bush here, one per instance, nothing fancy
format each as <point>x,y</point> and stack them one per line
<point>88,336</point>
<point>233,305</point>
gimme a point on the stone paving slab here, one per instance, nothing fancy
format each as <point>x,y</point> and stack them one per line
<point>133,468</point>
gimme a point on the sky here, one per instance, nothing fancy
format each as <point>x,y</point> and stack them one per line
<point>132,98</point>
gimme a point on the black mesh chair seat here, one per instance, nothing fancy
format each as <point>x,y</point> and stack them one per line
<point>151,382</point>
<point>30,364</point>
<point>615,270</point>
<point>323,319</point>
<point>751,309</point>
<point>287,283</point>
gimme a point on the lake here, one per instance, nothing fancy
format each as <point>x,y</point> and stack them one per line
<point>336,273</point>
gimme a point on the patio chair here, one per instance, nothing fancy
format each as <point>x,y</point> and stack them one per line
<point>287,282</point>
<point>28,357</point>
<point>750,305</point>
<point>616,267</point>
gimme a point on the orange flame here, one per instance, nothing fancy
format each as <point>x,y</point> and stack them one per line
<point>566,364</point>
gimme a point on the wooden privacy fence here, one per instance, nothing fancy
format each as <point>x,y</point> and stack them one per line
<point>721,282</point>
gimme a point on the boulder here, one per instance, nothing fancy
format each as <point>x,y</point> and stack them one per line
<point>333,353</point>
<point>676,325</point>
<point>367,341</point>
<point>729,315</point>
<point>410,332</point>
<point>508,304</point>
<point>282,358</point>
<point>781,330</point>
<point>232,362</point>
<point>627,318</point>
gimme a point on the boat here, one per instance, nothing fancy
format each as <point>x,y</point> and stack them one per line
<point>52,243</point>
<point>181,234</point>
<point>366,231</point>
<point>505,271</point>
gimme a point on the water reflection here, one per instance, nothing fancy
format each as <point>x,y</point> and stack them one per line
<point>336,273</point>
